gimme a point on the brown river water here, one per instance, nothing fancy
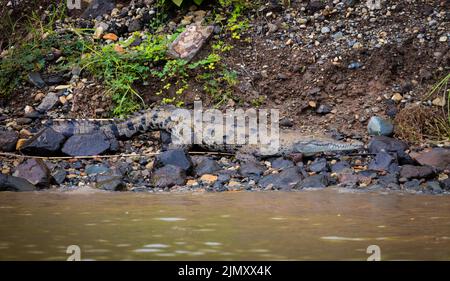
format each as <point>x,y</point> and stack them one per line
<point>310,225</point>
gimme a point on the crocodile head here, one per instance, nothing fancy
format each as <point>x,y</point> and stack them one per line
<point>313,146</point>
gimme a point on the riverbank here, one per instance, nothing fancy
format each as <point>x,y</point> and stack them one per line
<point>338,69</point>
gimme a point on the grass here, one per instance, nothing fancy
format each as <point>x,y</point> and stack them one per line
<point>417,123</point>
<point>121,67</point>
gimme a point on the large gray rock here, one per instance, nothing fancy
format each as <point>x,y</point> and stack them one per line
<point>381,162</point>
<point>168,176</point>
<point>175,157</point>
<point>49,101</point>
<point>251,169</point>
<point>438,158</point>
<point>35,171</point>
<point>46,142</point>
<point>416,172</point>
<point>36,79</point>
<point>380,127</point>
<point>284,180</point>
<point>11,183</point>
<point>206,165</point>
<point>315,181</point>
<point>97,8</point>
<point>110,182</point>
<point>86,144</point>
<point>8,141</point>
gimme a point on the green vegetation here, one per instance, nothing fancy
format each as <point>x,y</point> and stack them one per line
<point>122,67</point>
<point>36,53</point>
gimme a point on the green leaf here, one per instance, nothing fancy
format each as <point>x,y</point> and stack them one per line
<point>177,2</point>
<point>198,2</point>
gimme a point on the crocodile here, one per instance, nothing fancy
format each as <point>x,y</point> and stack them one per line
<point>162,118</point>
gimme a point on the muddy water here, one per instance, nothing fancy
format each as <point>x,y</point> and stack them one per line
<point>317,225</point>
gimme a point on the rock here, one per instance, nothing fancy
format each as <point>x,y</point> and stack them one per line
<point>46,142</point>
<point>168,176</point>
<point>36,79</point>
<point>381,162</point>
<point>58,175</point>
<point>286,122</point>
<point>98,8</point>
<point>439,101</point>
<point>340,166</point>
<point>323,109</point>
<point>209,179</point>
<point>251,169</point>
<point>348,179</point>
<point>438,158</point>
<point>8,141</point>
<point>315,6</point>
<point>11,183</point>
<point>412,185</point>
<point>434,186</point>
<point>190,41</point>
<point>387,144</point>
<point>206,166</point>
<point>135,25</point>
<point>110,182</point>
<point>411,172</point>
<point>285,180</point>
<point>53,79</point>
<point>110,36</point>
<point>49,101</point>
<point>397,97</point>
<point>379,127</point>
<point>318,165</point>
<point>281,163</point>
<point>446,184</point>
<point>315,181</point>
<point>23,121</point>
<point>388,180</point>
<point>325,30</point>
<point>354,65</point>
<point>86,144</point>
<point>92,170</point>
<point>35,171</point>
<point>175,157</point>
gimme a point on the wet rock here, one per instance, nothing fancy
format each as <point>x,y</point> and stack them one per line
<point>319,165</point>
<point>315,181</point>
<point>190,41</point>
<point>168,176</point>
<point>58,175</point>
<point>11,183</point>
<point>175,157</point>
<point>416,172</point>
<point>348,179</point>
<point>206,165</point>
<point>412,184</point>
<point>47,142</point>
<point>281,163</point>
<point>382,162</point>
<point>438,158</point>
<point>98,8</point>
<point>135,25</point>
<point>86,144</point>
<point>434,187</point>
<point>35,171</point>
<point>285,180</point>
<point>36,79</point>
<point>379,127</point>
<point>8,141</point>
<point>110,181</point>
<point>388,180</point>
<point>251,169</point>
<point>49,101</point>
